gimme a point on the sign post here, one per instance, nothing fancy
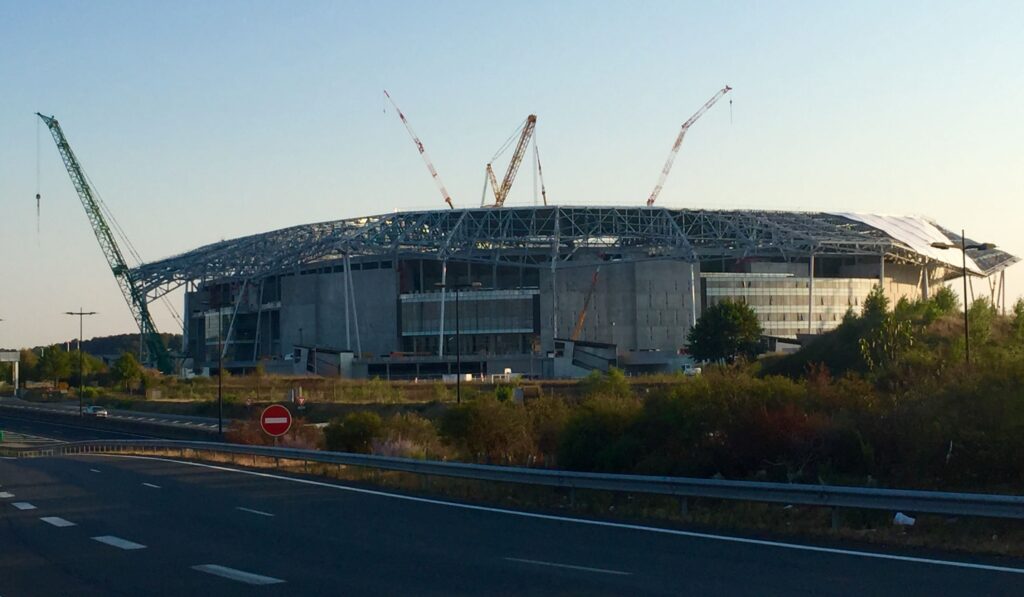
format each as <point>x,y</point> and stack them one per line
<point>276,420</point>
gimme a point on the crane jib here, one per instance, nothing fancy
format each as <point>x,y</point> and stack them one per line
<point>135,298</point>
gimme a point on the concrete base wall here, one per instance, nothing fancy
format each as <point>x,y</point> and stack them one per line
<point>635,305</point>
<point>315,304</point>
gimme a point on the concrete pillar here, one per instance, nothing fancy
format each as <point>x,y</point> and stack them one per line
<point>810,296</point>
<point>881,271</point>
<point>14,375</point>
<point>926,290</point>
<point>440,333</point>
<point>693,296</point>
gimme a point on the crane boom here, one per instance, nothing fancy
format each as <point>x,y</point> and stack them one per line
<point>517,159</point>
<point>679,141</point>
<point>135,298</point>
<point>423,152</point>
<point>578,329</point>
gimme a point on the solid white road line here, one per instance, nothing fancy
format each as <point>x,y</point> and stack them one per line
<point>569,566</point>
<point>241,576</point>
<point>57,521</point>
<point>118,542</point>
<point>151,485</point>
<point>251,511</point>
<point>601,523</point>
<point>5,494</point>
<point>23,505</point>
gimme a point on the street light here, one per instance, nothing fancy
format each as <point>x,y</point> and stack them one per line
<point>963,246</point>
<point>81,369</point>
<point>458,288</point>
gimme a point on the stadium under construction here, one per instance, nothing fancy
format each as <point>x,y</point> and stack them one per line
<point>552,291</point>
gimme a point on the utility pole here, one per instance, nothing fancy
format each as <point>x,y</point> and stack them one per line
<point>81,369</point>
<point>458,288</point>
<point>963,246</point>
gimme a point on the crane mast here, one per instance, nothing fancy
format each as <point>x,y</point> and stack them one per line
<point>679,141</point>
<point>135,298</point>
<point>423,152</point>
<point>501,193</point>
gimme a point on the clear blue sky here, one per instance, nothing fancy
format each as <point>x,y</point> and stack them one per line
<point>199,121</point>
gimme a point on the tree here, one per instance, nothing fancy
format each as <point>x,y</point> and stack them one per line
<point>127,369</point>
<point>54,364</point>
<point>726,330</point>
<point>876,307</point>
<point>946,300</point>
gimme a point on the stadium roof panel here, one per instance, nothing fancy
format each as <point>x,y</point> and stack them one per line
<point>534,235</point>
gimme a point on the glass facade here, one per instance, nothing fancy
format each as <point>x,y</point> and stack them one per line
<point>781,301</point>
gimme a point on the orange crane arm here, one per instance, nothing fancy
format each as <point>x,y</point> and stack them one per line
<point>576,331</point>
<point>517,158</point>
<point>679,141</point>
<point>423,152</point>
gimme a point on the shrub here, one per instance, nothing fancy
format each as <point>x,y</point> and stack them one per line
<point>613,383</point>
<point>353,433</point>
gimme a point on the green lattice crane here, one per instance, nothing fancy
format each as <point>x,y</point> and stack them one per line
<point>135,298</point>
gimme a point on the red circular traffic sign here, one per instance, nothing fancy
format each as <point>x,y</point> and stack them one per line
<point>276,420</point>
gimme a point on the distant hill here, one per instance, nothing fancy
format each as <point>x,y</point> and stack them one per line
<point>115,345</point>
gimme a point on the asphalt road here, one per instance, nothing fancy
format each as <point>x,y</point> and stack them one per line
<point>137,526</point>
<point>126,415</point>
<point>67,432</point>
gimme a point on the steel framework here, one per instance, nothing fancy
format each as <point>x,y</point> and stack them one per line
<point>539,237</point>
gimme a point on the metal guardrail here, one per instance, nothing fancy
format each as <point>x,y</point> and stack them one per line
<point>930,502</point>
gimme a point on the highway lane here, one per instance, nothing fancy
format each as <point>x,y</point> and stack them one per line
<point>127,415</point>
<point>205,528</point>
<point>68,432</point>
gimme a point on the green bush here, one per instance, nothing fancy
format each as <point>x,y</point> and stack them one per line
<point>353,433</point>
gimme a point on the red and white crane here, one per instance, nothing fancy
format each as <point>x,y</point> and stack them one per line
<point>679,141</point>
<point>423,152</point>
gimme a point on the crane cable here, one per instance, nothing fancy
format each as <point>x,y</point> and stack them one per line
<point>39,195</point>
<point>127,243</point>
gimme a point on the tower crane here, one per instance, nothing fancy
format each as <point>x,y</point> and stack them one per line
<point>501,193</point>
<point>679,141</point>
<point>423,152</point>
<point>134,296</point>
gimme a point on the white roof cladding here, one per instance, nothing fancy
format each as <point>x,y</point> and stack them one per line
<point>918,234</point>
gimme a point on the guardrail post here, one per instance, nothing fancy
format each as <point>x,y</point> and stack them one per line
<point>684,507</point>
<point>836,519</point>
<point>572,497</point>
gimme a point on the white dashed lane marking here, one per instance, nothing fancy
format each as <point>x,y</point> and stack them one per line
<point>5,495</point>
<point>94,470</point>
<point>239,575</point>
<point>23,505</point>
<point>57,521</point>
<point>151,485</point>
<point>251,511</point>
<point>118,542</point>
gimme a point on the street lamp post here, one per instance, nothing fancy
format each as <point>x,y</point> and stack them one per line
<point>458,288</point>
<point>963,246</point>
<point>81,369</point>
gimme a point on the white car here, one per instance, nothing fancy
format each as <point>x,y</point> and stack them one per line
<point>95,411</point>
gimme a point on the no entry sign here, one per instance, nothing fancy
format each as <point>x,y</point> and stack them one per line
<point>276,420</point>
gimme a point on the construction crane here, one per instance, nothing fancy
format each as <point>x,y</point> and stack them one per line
<point>94,208</point>
<point>576,331</point>
<point>501,193</point>
<point>679,141</point>
<point>423,152</point>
